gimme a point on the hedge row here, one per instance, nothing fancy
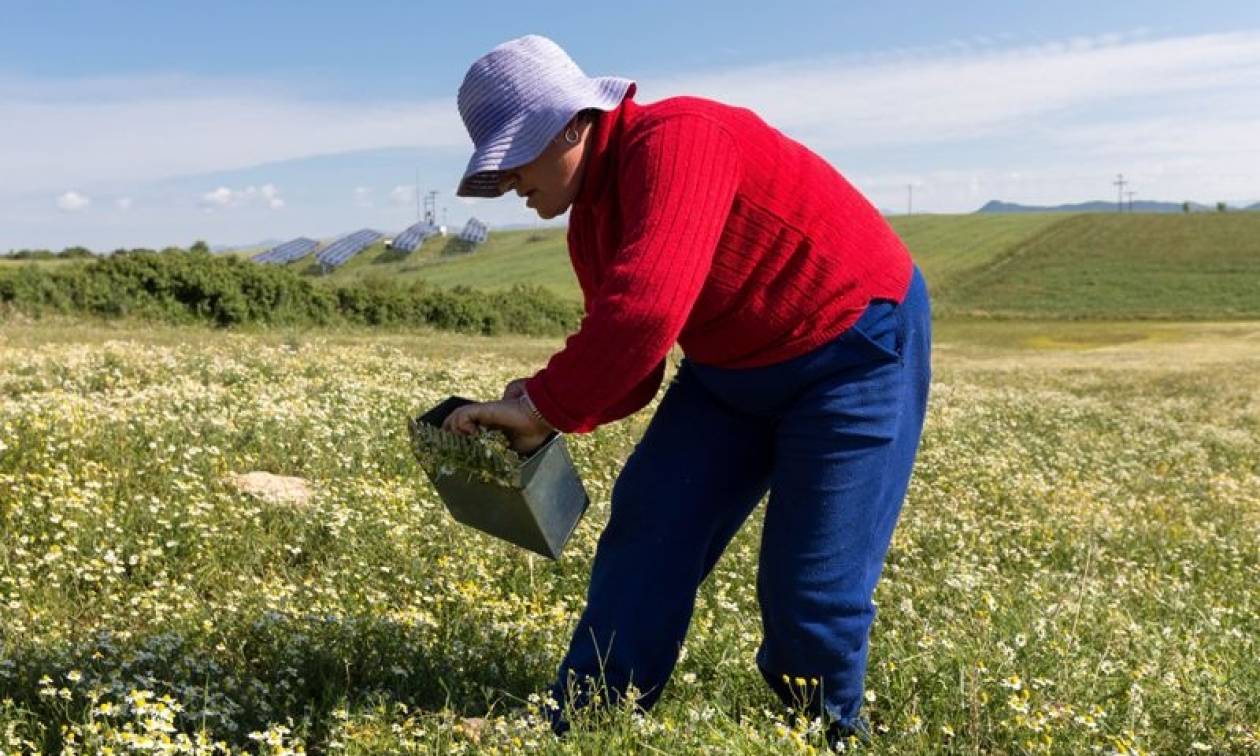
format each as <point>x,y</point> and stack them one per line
<point>69,253</point>
<point>192,287</point>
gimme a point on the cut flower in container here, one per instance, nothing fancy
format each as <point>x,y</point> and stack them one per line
<point>534,501</point>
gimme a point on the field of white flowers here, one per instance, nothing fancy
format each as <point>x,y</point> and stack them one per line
<point>1077,568</point>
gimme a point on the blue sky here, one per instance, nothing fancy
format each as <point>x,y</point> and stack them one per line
<point>152,123</point>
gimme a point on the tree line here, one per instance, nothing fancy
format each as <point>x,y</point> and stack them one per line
<point>186,286</point>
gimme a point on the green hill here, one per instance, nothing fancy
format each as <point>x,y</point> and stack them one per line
<point>949,248</point>
<point>945,246</point>
<point>1193,266</point>
<point>1120,266</point>
<point>507,258</point>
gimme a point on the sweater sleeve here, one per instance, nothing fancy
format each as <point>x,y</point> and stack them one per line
<point>678,182</point>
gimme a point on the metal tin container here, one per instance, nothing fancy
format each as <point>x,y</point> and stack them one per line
<point>539,514</point>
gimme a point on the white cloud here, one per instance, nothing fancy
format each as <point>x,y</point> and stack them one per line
<point>150,128</point>
<point>266,195</point>
<point>1180,116</point>
<point>940,96</point>
<point>72,201</point>
<point>271,196</point>
<point>221,197</point>
<point>968,120</point>
<point>403,196</point>
<point>123,203</point>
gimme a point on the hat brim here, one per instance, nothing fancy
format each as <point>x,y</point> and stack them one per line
<point>526,136</point>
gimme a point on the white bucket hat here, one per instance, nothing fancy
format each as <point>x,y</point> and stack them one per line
<point>516,98</point>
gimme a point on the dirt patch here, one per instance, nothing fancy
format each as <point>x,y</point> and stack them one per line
<point>277,489</point>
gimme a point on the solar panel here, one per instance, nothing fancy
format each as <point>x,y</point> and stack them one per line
<point>265,257</point>
<point>414,236</point>
<point>343,249</point>
<point>474,231</point>
<point>287,252</point>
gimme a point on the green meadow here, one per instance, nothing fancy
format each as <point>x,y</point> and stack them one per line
<point>1099,266</point>
<point>1076,569</point>
<point>507,258</point>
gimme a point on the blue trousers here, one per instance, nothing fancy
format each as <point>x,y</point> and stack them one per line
<point>832,435</point>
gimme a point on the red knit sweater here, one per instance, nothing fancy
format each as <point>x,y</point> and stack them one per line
<point>698,223</point>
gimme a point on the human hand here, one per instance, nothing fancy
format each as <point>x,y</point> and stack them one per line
<point>515,390</point>
<point>524,431</point>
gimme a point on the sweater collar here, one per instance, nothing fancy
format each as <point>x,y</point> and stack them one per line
<point>608,128</point>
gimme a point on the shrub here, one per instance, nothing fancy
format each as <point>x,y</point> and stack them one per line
<point>189,287</point>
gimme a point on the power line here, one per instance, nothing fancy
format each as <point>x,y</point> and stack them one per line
<point>1120,184</point>
<point>430,207</point>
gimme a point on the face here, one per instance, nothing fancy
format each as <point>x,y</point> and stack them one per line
<point>551,181</point>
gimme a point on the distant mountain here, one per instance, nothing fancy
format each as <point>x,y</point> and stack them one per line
<point>257,246</point>
<point>1252,207</point>
<point>1097,206</point>
<point>536,226</point>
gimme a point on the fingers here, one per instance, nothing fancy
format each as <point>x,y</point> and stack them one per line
<point>514,390</point>
<point>471,418</point>
<point>524,433</point>
<point>464,420</point>
<point>525,443</point>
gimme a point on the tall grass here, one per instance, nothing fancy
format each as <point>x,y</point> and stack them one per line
<point>1075,570</point>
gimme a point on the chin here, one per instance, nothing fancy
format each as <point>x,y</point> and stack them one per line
<point>546,214</point>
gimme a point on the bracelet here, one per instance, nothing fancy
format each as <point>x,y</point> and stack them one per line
<point>532,411</point>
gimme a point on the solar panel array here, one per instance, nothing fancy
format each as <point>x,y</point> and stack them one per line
<point>287,252</point>
<point>348,246</point>
<point>474,231</point>
<point>414,236</point>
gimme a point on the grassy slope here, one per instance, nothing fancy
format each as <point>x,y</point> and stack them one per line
<point>950,247</point>
<point>529,257</point>
<point>1122,266</point>
<point>507,258</point>
<point>945,247</point>
<point>1029,266</point>
<point>1047,266</point>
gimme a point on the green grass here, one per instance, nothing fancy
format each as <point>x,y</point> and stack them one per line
<point>1121,266</point>
<point>245,252</point>
<point>1039,266</point>
<point>950,247</point>
<point>532,257</point>
<point>1076,569</point>
<point>8,263</point>
<point>945,246</point>
<point>507,258</point>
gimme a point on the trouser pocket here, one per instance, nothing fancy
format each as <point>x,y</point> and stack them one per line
<point>881,330</point>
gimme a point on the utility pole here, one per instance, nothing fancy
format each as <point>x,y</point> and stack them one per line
<point>430,207</point>
<point>1130,196</point>
<point>909,199</point>
<point>1120,183</point>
